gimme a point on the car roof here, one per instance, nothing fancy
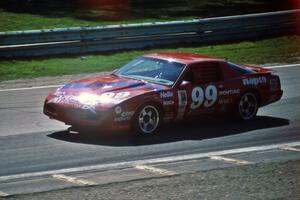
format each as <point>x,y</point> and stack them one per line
<point>185,58</point>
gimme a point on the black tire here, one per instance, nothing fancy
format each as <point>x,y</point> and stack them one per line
<point>247,106</point>
<point>147,120</point>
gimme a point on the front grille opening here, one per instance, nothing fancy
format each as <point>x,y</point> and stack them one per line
<point>84,114</point>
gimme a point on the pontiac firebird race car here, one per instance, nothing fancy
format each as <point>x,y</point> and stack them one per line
<point>163,87</point>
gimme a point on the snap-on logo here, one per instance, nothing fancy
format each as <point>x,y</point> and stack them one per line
<point>255,81</point>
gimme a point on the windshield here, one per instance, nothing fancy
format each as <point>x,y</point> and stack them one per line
<point>152,70</point>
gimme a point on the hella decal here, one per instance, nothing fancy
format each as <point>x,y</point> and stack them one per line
<point>168,94</point>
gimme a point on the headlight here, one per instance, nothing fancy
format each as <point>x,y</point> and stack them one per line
<point>89,99</point>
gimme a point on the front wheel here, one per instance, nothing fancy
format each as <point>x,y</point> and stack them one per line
<point>247,106</point>
<point>147,120</point>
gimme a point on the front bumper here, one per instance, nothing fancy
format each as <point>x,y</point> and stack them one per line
<point>78,117</point>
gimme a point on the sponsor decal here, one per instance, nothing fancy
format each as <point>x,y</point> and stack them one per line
<point>124,116</point>
<point>63,99</point>
<point>111,95</point>
<point>74,101</point>
<point>254,81</point>
<point>224,101</point>
<point>127,114</point>
<point>168,103</point>
<point>182,102</point>
<point>88,99</point>
<point>167,94</point>
<point>206,97</point>
<point>229,92</point>
<point>122,95</point>
<point>118,110</point>
<point>88,107</point>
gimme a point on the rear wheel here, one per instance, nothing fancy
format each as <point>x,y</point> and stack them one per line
<point>247,106</point>
<point>147,120</point>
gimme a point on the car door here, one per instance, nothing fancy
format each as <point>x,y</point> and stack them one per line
<point>201,85</point>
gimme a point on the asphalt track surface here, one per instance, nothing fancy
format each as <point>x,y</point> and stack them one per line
<point>30,142</point>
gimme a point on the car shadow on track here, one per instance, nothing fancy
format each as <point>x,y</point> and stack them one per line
<point>186,130</point>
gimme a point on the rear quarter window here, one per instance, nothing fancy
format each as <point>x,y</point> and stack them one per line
<point>240,69</point>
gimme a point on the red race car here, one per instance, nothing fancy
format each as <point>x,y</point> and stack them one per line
<point>161,87</point>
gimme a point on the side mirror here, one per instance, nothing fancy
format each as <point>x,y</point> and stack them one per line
<point>184,84</point>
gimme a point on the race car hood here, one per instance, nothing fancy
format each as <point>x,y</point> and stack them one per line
<point>102,84</point>
<point>105,90</point>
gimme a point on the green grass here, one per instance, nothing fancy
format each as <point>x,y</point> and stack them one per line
<point>275,50</point>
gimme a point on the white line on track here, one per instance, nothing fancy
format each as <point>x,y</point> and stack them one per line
<point>282,66</point>
<point>3,194</point>
<point>288,148</point>
<point>74,180</point>
<point>230,160</point>
<point>56,86</point>
<point>148,161</point>
<point>155,170</point>
<point>31,88</point>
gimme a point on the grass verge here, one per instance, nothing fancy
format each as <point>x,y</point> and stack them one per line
<point>284,49</point>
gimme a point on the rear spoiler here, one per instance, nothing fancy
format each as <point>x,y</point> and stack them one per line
<point>258,69</point>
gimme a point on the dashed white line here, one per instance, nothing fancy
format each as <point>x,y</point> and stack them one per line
<point>288,148</point>
<point>30,88</point>
<point>155,170</point>
<point>230,160</point>
<point>74,180</point>
<point>149,161</point>
<point>3,194</point>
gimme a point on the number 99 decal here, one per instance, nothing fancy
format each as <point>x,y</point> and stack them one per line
<point>198,96</point>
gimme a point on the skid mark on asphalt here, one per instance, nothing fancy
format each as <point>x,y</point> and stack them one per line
<point>155,170</point>
<point>74,180</point>
<point>230,160</point>
<point>3,194</point>
<point>288,148</point>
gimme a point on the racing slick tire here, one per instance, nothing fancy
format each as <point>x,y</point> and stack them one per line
<point>147,120</point>
<point>247,106</point>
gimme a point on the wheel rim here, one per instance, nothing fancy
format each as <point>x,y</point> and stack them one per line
<point>247,106</point>
<point>148,119</point>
